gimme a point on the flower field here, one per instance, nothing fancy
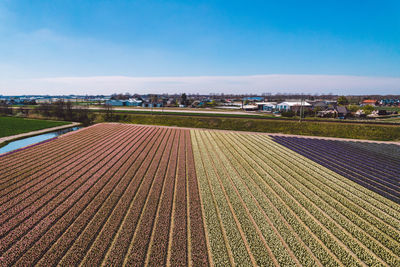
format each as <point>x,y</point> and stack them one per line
<point>361,163</point>
<point>266,204</point>
<point>109,194</point>
<point>120,194</point>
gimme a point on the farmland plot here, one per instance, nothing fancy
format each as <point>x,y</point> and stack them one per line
<point>267,205</point>
<point>119,194</point>
<point>107,194</point>
<point>361,163</point>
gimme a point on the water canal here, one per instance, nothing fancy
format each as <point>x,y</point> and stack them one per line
<point>34,139</point>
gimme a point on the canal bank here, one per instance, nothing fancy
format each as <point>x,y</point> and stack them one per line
<point>6,141</point>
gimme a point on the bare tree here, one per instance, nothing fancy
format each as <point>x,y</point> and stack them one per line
<point>109,113</point>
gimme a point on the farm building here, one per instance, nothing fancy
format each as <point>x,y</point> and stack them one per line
<point>266,106</point>
<point>291,106</point>
<point>250,107</point>
<point>131,102</point>
<point>116,102</point>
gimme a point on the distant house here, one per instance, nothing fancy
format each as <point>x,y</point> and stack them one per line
<point>171,102</point>
<point>327,113</point>
<point>321,105</point>
<point>134,102</point>
<point>342,111</point>
<point>372,102</point>
<point>292,105</point>
<point>148,104</point>
<point>250,107</point>
<point>339,112</point>
<point>266,106</point>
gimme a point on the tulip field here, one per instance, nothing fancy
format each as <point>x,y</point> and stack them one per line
<point>128,195</point>
<point>379,173</point>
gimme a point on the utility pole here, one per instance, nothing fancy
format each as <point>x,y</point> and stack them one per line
<point>301,108</point>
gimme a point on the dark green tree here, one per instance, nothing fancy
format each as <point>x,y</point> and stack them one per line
<point>183,99</point>
<point>342,100</point>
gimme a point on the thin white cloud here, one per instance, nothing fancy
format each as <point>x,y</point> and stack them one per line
<point>273,83</point>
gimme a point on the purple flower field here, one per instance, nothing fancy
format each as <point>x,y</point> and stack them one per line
<point>364,164</point>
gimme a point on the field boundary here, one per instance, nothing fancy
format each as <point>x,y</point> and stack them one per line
<point>271,134</point>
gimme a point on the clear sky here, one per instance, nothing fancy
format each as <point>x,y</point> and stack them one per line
<point>71,46</point>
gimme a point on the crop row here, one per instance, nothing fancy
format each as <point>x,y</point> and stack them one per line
<point>391,151</point>
<point>134,252</point>
<point>353,196</point>
<point>119,194</point>
<point>51,211</point>
<point>47,192</point>
<point>346,167</point>
<point>306,189</point>
<point>218,251</point>
<point>158,243</point>
<point>264,239</point>
<point>304,218</point>
<point>45,149</point>
<point>335,192</point>
<point>346,219</point>
<point>106,154</point>
<point>178,230</point>
<point>26,176</point>
<point>60,150</point>
<point>291,241</point>
<point>130,197</point>
<point>197,240</point>
<point>369,163</point>
<point>78,231</point>
<point>105,223</point>
<point>44,179</point>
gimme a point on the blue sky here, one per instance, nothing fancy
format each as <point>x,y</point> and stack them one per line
<point>215,46</point>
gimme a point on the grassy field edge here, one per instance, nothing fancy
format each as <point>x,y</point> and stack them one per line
<point>352,131</point>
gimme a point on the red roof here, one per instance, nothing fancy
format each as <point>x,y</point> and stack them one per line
<point>369,101</point>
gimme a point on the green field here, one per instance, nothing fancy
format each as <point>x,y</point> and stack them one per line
<point>392,119</point>
<point>13,125</point>
<point>389,108</point>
